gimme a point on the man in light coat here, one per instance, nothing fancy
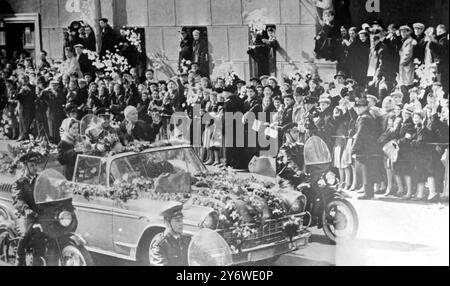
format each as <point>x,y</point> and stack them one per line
<point>406,69</point>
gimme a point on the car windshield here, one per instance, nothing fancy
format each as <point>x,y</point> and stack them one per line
<point>51,186</point>
<point>152,165</point>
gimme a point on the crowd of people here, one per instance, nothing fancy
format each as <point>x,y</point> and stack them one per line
<point>387,133</point>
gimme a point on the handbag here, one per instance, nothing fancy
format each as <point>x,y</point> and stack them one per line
<point>391,150</point>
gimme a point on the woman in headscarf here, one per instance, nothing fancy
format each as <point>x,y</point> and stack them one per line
<point>132,128</point>
<point>67,150</point>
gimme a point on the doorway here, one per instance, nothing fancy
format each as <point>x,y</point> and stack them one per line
<point>22,34</point>
<point>200,53</point>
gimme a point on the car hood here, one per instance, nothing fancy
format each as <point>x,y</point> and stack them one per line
<point>193,215</point>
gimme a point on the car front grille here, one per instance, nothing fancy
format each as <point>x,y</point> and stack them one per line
<point>271,231</point>
<point>5,188</point>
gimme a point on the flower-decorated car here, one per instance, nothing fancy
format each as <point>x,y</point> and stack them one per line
<point>119,199</point>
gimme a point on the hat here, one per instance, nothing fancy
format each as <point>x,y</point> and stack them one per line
<point>103,112</point>
<point>263,77</point>
<point>340,73</point>
<point>377,22</point>
<point>230,89</point>
<point>79,46</point>
<point>405,27</point>
<point>373,97</point>
<point>419,26</point>
<point>172,212</point>
<point>362,102</point>
<point>363,32</point>
<point>273,78</point>
<point>309,100</point>
<point>325,99</point>
<point>288,94</point>
<point>240,81</point>
<point>54,82</point>
<point>365,26</point>
<point>255,79</point>
<point>437,83</point>
<point>32,157</point>
<point>397,93</point>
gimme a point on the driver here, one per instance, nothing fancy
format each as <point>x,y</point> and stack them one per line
<point>170,248</point>
<point>23,201</point>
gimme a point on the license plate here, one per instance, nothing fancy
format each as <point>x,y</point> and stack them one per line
<point>261,254</point>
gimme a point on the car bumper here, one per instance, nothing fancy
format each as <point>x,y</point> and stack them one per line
<point>271,250</point>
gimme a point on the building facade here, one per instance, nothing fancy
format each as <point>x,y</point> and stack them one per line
<point>227,30</point>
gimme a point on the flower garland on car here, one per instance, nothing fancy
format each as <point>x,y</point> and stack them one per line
<point>10,162</point>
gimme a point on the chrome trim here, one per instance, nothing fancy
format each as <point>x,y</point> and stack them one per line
<point>109,253</point>
<point>273,244</point>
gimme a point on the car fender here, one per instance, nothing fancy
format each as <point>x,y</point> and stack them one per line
<point>75,239</point>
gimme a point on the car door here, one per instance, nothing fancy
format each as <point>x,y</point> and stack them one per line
<point>95,212</point>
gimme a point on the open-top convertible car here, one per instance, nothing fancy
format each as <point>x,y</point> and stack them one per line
<point>119,199</point>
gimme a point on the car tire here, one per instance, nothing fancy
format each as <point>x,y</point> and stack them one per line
<point>143,253</point>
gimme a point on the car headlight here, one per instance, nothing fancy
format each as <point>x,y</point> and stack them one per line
<point>65,218</point>
<point>298,205</point>
<point>211,221</point>
<point>331,179</point>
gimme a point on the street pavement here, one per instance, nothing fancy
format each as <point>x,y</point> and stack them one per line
<point>391,233</point>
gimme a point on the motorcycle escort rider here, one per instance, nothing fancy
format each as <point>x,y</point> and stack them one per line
<point>23,201</point>
<point>170,248</point>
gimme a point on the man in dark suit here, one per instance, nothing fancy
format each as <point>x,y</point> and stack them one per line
<point>365,147</point>
<point>26,98</point>
<point>185,51</point>
<point>108,37</point>
<point>419,36</point>
<point>233,105</point>
<point>200,53</point>
<point>83,60</point>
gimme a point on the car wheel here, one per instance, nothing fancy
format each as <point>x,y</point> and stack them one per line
<point>143,254</point>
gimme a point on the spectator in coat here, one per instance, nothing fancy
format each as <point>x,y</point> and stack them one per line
<point>405,163</point>
<point>71,64</point>
<point>439,46</point>
<point>185,51</point>
<point>108,37</point>
<point>26,97</point>
<point>89,40</point>
<point>55,112</point>
<point>362,51</point>
<point>406,69</point>
<point>419,36</point>
<point>200,53</point>
<point>233,152</point>
<point>83,60</point>
<point>67,152</point>
<point>365,147</point>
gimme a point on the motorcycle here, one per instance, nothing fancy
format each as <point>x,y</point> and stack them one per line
<point>53,238</point>
<point>328,207</point>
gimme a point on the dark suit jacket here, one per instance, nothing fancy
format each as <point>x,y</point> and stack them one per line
<point>142,131</point>
<point>67,157</point>
<point>366,141</point>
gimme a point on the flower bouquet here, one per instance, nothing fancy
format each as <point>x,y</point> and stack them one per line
<point>160,62</point>
<point>226,71</point>
<point>132,35</point>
